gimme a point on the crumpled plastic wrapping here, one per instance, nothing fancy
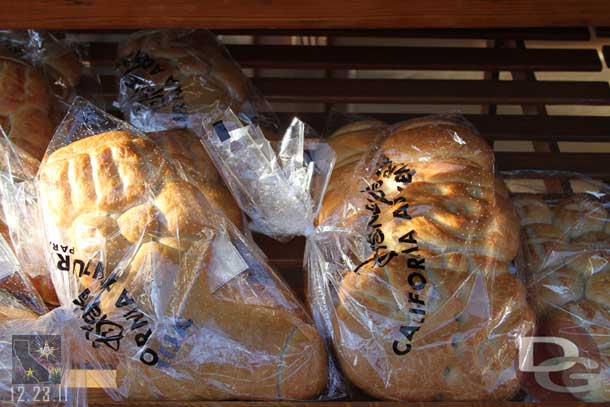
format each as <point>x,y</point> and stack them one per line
<point>163,287</point>
<point>35,357</point>
<point>565,254</point>
<point>280,188</point>
<point>39,74</point>
<point>18,297</point>
<point>22,230</point>
<point>410,274</point>
<point>183,78</point>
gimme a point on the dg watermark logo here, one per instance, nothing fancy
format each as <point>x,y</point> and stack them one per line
<point>36,368</point>
<point>555,368</point>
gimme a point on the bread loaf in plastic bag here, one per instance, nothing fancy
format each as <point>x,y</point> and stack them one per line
<point>565,254</point>
<point>410,266</point>
<point>162,283</point>
<point>180,78</point>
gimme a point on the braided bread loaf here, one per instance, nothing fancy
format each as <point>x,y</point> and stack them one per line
<point>566,253</point>
<point>434,313</point>
<point>117,199</point>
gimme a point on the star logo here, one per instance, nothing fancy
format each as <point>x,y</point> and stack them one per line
<point>45,351</point>
<point>29,373</point>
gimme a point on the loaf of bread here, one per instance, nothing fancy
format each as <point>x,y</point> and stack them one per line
<point>24,106</point>
<point>434,313</point>
<point>169,75</point>
<point>566,254</point>
<point>122,201</point>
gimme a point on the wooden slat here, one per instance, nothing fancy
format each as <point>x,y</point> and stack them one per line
<point>594,165</point>
<point>496,128</point>
<point>525,33</point>
<point>518,33</point>
<point>428,58</point>
<point>113,14</point>
<point>420,91</point>
<point>284,256</point>
<point>603,32</point>
<point>97,397</point>
<point>433,91</point>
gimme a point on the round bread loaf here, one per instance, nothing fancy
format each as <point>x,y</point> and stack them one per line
<point>117,199</point>
<point>434,313</point>
<point>566,254</point>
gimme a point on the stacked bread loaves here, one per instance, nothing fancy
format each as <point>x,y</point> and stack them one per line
<point>124,201</point>
<point>566,253</point>
<point>433,313</point>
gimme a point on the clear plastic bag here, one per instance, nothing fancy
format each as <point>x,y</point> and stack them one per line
<point>35,345</point>
<point>409,269</point>
<point>39,74</point>
<point>165,289</point>
<point>181,78</point>
<point>565,254</point>
<point>281,191</point>
<point>22,221</point>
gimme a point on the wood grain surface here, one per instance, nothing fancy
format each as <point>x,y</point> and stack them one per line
<point>116,14</point>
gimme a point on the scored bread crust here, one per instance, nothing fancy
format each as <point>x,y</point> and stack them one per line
<point>467,231</point>
<point>115,193</point>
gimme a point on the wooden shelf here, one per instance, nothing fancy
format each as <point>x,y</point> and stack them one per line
<point>97,398</point>
<point>107,14</point>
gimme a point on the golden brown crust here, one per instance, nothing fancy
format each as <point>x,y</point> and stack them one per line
<point>114,193</point>
<point>429,139</point>
<point>351,143</point>
<point>466,230</point>
<point>454,345</point>
<point>24,106</point>
<point>188,155</point>
<point>8,312</point>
